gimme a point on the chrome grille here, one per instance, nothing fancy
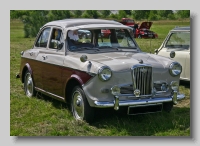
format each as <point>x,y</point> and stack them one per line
<point>142,79</point>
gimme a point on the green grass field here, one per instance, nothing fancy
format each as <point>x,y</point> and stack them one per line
<point>44,116</point>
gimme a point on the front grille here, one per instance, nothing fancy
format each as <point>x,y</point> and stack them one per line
<point>142,79</point>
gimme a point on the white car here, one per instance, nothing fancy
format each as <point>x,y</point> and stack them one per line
<point>177,46</point>
<point>98,72</point>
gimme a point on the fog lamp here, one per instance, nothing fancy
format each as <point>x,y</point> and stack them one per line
<point>115,90</point>
<point>174,85</point>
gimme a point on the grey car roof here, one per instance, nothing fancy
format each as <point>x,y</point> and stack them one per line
<point>80,21</point>
<point>185,28</point>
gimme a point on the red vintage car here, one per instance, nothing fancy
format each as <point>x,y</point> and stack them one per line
<point>144,31</point>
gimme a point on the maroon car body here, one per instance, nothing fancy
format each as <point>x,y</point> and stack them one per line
<point>144,31</point>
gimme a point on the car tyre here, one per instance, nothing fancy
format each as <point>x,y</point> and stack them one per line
<point>80,108</point>
<point>167,107</point>
<point>29,87</point>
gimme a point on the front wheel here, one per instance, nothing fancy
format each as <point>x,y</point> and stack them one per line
<point>80,107</point>
<point>29,87</point>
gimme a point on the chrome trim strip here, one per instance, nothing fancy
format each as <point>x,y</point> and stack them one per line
<point>50,94</point>
<point>105,104</point>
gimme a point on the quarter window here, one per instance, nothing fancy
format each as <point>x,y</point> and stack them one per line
<point>55,38</point>
<point>43,38</point>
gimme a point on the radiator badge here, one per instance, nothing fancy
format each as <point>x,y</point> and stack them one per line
<point>143,70</point>
<point>137,92</point>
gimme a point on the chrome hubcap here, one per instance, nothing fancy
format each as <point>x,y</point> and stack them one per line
<point>78,106</point>
<point>29,85</point>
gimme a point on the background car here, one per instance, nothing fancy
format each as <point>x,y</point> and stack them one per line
<point>144,31</point>
<point>177,46</point>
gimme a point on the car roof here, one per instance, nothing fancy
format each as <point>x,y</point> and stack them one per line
<point>185,28</point>
<point>80,21</point>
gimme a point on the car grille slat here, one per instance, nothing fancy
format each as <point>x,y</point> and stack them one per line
<point>142,80</point>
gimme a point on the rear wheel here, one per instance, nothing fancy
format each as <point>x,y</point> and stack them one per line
<point>29,87</point>
<point>80,107</point>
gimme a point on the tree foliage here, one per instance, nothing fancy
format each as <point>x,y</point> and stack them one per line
<point>34,19</point>
<point>77,13</point>
<point>105,13</point>
<point>183,13</point>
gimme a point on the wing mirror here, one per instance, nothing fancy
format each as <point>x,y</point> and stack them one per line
<point>60,46</point>
<point>172,54</point>
<point>83,58</point>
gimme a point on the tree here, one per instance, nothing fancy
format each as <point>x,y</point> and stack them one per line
<point>164,13</point>
<point>128,12</point>
<point>140,14</point>
<point>92,13</point>
<point>105,13</point>
<point>122,14</point>
<point>183,13</point>
<point>77,13</point>
<point>33,21</point>
<point>152,15</point>
<point>59,14</point>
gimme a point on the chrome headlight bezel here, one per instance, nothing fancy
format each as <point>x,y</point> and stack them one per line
<point>175,69</point>
<point>104,73</point>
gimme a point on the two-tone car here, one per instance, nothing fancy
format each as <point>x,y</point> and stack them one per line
<point>100,72</point>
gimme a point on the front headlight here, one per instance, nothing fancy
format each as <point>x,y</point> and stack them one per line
<point>104,73</point>
<point>175,69</point>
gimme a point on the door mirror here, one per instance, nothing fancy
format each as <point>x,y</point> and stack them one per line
<point>172,54</point>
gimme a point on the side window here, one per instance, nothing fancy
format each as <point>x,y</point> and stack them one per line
<point>55,38</point>
<point>43,38</point>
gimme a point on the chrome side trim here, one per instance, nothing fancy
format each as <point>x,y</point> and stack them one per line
<point>105,104</point>
<point>50,94</point>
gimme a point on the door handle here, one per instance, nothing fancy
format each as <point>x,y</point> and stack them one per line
<point>44,57</point>
<point>31,53</point>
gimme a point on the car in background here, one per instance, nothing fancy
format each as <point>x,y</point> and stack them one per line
<point>98,73</point>
<point>177,46</point>
<point>105,33</point>
<point>84,34</point>
<point>144,31</point>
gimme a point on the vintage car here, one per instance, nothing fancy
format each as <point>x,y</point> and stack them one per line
<point>98,72</point>
<point>177,46</point>
<point>144,31</point>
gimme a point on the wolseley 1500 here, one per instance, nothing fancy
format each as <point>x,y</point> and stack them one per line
<point>97,72</point>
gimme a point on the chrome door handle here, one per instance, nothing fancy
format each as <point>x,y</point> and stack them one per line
<point>44,57</point>
<point>31,54</point>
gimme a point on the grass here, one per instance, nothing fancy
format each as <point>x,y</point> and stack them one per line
<point>44,116</point>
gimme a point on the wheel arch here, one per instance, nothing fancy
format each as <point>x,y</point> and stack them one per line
<point>26,67</point>
<point>71,83</point>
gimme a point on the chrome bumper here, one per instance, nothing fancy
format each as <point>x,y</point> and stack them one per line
<point>117,103</point>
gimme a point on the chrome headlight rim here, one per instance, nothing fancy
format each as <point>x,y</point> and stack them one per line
<point>100,71</point>
<point>172,72</point>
